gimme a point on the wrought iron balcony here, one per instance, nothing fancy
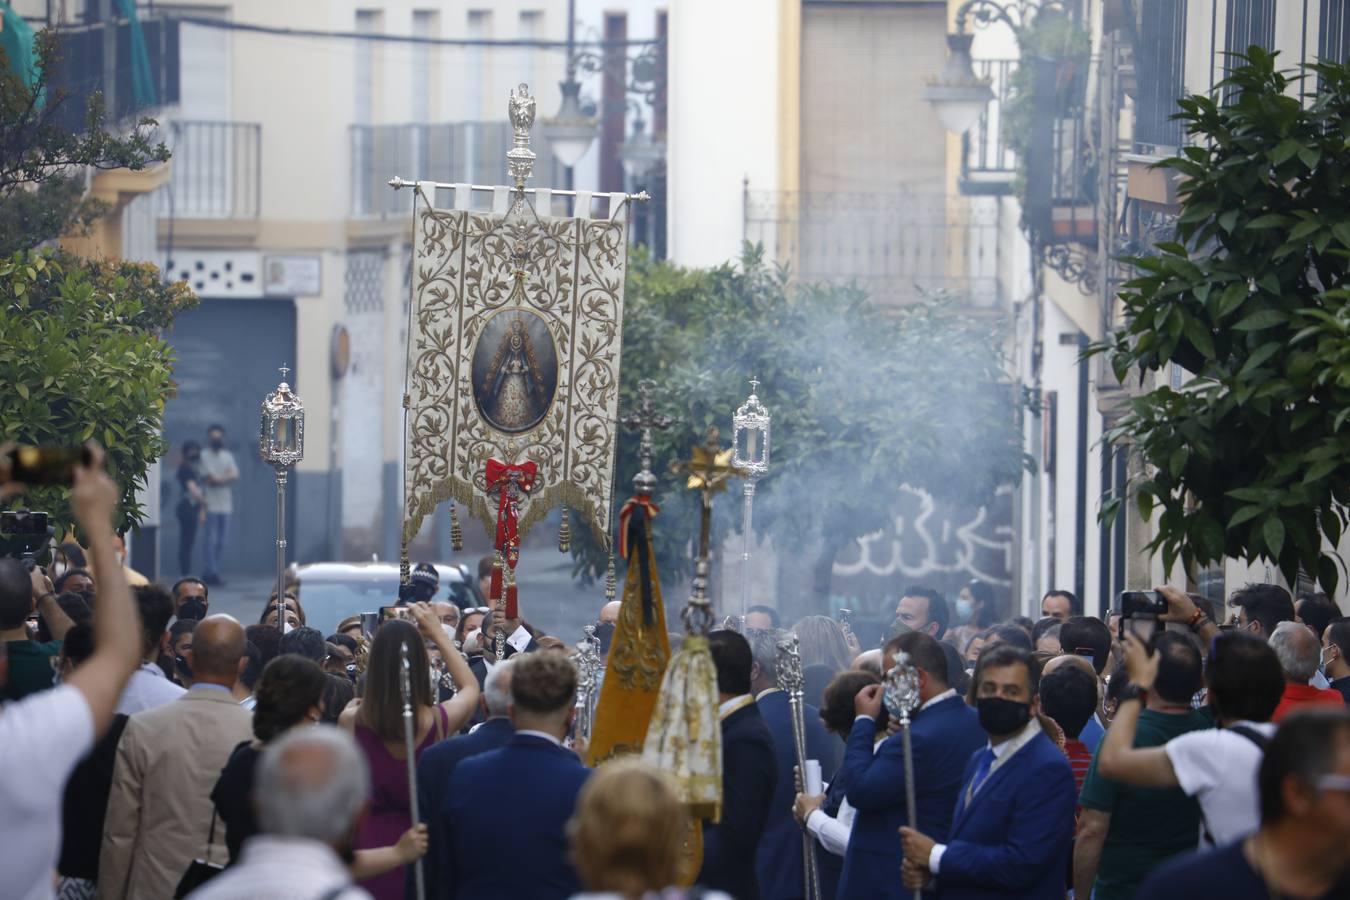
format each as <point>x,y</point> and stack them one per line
<point>217,170</point>
<point>466,152</point>
<point>988,164</point>
<point>146,70</point>
<point>894,246</point>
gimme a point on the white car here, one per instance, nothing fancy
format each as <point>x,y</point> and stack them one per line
<point>332,591</point>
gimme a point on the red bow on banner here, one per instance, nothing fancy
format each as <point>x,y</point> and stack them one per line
<point>626,514</point>
<point>511,482</point>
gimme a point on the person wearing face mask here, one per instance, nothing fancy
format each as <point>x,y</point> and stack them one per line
<point>945,733</point>
<point>975,611</point>
<point>1336,656</point>
<point>1014,818</point>
<point>219,471</point>
<point>149,687</point>
<point>191,508</point>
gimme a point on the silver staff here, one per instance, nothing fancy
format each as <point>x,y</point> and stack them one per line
<point>901,696</point>
<point>281,444</point>
<point>790,682</point>
<point>410,744</point>
<point>750,443</point>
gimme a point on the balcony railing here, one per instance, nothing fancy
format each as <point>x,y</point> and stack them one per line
<point>894,246</point>
<point>988,164</point>
<point>217,171</point>
<point>146,70</point>
<point>473,152</point>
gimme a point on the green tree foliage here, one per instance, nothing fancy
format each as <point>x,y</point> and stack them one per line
<point>81,358</point>
<point>42,164</point>
<point>862,401</point>
<point>1249,459</point>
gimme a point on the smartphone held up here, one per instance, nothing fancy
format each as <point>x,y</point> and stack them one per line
<point>1141,613</point>
<point>42,466</point>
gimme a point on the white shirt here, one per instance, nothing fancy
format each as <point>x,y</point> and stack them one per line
<point>1218,768</point>
<point>147,689</point>
<point>281,868</point>
<point>540,734</point>
<point>42,738</point>
<point>218,464</point>
<point>1002,753</point>
<point>833,833</point>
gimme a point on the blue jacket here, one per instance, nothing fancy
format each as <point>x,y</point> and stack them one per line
<point>506,816</point>
<point>942,739</point>
<point>434,768</point>
<point>748,776</point>
<point>779,865</point>
<point>1012,839</point>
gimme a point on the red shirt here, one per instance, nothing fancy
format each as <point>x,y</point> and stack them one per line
<point>1296,695</point>
<point>1080,760</point>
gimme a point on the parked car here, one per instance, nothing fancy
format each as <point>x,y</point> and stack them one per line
<point>332,591</point>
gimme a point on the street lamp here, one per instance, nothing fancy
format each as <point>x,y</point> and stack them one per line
<point>958,95</point>
<point>571,132</point>
<point>640,154</point>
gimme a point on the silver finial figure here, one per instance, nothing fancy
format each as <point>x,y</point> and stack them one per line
<point>520,158</point>
<point>750,440</point>
<point>589,663</point>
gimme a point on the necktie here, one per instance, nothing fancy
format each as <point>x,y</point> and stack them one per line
<point>981,773</point>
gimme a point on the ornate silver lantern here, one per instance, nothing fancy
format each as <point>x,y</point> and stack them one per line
<point>281,443</point>
<point>750,445</point>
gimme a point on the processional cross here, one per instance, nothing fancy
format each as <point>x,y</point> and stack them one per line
<point>708,468</point>
<point>644,421</point>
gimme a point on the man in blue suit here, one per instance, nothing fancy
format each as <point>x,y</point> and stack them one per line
<point>748,774</point>
<point>1014,817</point>
<point>944,734</point>
<point>506,812</point>
<point>779,865</point>
<point>437,763</point>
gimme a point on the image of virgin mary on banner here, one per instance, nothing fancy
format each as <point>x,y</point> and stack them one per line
<point>514,342</point>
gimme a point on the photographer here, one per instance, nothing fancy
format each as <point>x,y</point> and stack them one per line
<point>31,666</point>
<point>1216,766</point>
<point>44,736</point>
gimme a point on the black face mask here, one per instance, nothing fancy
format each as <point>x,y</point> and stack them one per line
<point>1000,717</point>
<point>181,664</point>
<point>192,608</point>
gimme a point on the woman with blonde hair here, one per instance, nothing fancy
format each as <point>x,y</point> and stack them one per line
<point>627,835</point>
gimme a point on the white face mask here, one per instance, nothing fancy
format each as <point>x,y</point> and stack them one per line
<point>449,630</point>
<point>471,640</point>
<point>287,628</point>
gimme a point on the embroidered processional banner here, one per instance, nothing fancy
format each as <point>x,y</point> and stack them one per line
<point>513,350</point>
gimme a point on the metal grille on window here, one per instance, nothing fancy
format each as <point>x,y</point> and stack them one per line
<point>1333,39</point>
<point>1249,22</point>
<point>1160,54</point>
<point>364,282</point>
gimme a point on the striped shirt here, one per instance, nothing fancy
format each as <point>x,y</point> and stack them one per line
<point>1080,760</point>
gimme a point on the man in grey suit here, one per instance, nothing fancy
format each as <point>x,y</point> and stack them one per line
<point>169,758</point>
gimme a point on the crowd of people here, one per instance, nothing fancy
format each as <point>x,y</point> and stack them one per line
<point>156,750</point>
